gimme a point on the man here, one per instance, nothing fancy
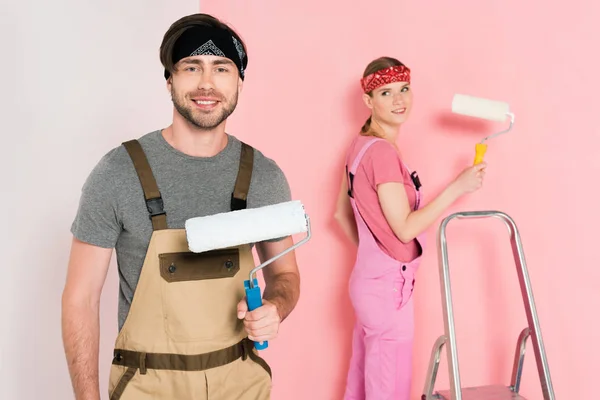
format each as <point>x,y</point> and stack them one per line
<point>179,337</point>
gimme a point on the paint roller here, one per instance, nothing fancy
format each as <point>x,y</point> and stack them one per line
<point>247,226</point>
<point>479,107</point>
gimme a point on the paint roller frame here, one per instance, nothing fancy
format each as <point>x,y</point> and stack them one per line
<point>253,295</point>
<point>252,281</point>
<point>251,287</point>
<point>466,105</point>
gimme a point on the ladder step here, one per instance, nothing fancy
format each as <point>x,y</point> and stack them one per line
<point>492,392</point>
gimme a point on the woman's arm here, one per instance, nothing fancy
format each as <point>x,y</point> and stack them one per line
<point>407,224</point>
<point>344,215</point>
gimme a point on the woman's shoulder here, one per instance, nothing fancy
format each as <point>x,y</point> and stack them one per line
<point>381,148</point>
<point>379,152</point>
<point>360,141</point>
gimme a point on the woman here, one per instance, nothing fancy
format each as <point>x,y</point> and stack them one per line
<point>380,209</point>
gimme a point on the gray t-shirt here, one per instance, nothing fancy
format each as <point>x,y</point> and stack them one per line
<point>112,212</point>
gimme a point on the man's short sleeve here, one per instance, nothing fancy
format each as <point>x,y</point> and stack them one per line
<point>96,221</point>
<point>382,164</point>
<point>269,186</point>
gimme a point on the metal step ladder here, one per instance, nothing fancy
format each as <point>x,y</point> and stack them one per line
<point>492,392</point>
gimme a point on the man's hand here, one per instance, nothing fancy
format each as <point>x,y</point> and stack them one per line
<point>282,289</point>
<point>262,324</point>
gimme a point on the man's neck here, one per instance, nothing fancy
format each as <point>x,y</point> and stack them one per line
<point>195,142</point>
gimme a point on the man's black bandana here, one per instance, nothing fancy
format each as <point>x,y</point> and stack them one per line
<point>200,41</point>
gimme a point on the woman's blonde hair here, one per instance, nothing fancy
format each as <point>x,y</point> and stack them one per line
<point>374,66</point>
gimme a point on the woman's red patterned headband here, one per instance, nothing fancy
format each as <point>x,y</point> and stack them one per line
<point>397,73</point>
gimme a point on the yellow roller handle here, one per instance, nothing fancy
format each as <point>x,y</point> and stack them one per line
<point>480,149</point>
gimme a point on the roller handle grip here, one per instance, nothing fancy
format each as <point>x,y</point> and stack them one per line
<point>480,149</point>
<point>254,300</point>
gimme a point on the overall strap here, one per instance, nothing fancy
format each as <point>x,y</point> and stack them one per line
<point>239,196</point>
<point>352,171</point>
<point>154,201</point>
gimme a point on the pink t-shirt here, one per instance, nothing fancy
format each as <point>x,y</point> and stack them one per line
<point>381,163</point>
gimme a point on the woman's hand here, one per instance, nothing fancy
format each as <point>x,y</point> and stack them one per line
<point>470,179</point>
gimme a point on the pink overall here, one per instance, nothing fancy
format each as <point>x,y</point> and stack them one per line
<point>381,294</point>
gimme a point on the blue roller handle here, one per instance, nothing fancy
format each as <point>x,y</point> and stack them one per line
<point>254,300</point>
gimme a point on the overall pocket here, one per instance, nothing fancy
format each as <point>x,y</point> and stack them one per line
<point>200,292</point>
<point>404,284</point>
<point>119,379</point>
<point>398,290</point>
<point>372,300</point>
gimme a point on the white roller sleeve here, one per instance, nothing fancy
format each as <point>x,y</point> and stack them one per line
<point>245,226</point>
<point>479,107</point>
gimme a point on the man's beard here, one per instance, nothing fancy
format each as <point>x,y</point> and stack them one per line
<point>198,118</point>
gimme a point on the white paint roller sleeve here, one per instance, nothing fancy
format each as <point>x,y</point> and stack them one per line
<point>480,108</point>
<point>245,226</point>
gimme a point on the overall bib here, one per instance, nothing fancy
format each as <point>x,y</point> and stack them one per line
<point>380,290</point>
<point>182,338</point>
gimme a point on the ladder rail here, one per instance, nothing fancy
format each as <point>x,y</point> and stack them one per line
<point>526,292</point>
<point>434,364</point>
<point>515,380</point>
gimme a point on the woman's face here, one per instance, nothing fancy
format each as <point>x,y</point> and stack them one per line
<point>391,103</point>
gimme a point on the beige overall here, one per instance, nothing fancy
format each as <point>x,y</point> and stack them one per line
<point>182,339</point>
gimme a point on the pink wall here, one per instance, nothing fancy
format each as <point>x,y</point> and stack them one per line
<point>301,106</point>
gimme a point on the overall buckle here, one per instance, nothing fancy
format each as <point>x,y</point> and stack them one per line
<point>416,181</point>
<point>238,204</point>
<point>155,206</point>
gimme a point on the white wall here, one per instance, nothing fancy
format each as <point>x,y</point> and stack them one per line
<point>78,77</point>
